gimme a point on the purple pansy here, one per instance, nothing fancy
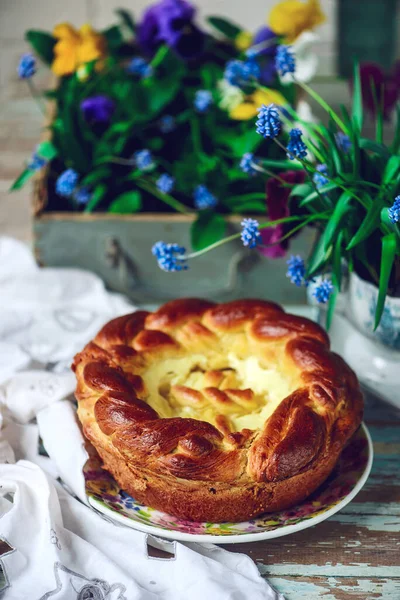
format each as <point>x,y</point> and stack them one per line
<point>264,45</point>
<point>170,22</point>
<point>98,109</point>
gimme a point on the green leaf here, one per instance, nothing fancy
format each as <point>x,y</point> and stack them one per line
<point>317,258</point>
<point>282,164</point>
<point>342,207</point>
<point>388,253</point>
<point>22,179</point>
<point>43,44</point>
<point>126,203</point>
<point>96,176</point>
<point>380,149</point>
<point>98,195</point>
<point>329,187</point>
<point>357,110</point>
<point>331,307</point>
<point>224,26</point>
<point>391,169</point>
<point>113,37</point>
<point>239,143</point>
<point>47,150</point>
<point>369,224</point>
<point>337,259</point>
<point>301,190</point>
<point>126,19</point>
<point>208,228</point>
<point>249,207</point>
<point>396,138</point>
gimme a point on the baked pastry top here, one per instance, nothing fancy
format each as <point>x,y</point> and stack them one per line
<point>216,412</point>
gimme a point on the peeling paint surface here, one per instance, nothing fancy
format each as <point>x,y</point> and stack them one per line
<point>354,555</point>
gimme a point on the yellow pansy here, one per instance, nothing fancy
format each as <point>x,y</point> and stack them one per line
<point>243,40</point>
<point>75,48</point>
<point>291,17</point>
<point>248,108</point>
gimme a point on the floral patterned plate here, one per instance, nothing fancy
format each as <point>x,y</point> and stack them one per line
<point>338,490</point>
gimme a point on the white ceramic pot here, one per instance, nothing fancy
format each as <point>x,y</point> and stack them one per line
<point>362,299</point>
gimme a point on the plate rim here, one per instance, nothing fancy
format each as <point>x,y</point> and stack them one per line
<point>244,538</point>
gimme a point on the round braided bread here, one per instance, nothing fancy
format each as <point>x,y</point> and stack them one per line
<point>216,412</point>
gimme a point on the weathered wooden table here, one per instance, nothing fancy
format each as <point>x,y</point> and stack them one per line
<point>355,554</point>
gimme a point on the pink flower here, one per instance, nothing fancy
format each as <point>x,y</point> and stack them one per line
<point>277,206</point>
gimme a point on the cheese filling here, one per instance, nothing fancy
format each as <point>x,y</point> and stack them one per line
<point>180,387</point>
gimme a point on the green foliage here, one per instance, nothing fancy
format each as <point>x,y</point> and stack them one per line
<point>228,29</point>
<point>126,203</point>
<point>42,43</point>
<point>208,228</point>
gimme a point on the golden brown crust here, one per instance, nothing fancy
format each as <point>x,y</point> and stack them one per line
<point>193,468</point>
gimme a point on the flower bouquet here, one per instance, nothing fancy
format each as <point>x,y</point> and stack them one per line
<point>155,116</point>
<point>349,195</point>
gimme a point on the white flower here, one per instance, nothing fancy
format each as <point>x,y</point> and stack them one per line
<point>230,95</point>
<point>306,58</point>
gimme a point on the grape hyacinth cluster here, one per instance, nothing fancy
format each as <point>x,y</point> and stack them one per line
<point>203,198</point>
<point>250,234</point>
<point>343,142</point>
<point>27,66</point>
<point>165,183</point>
<point>240,73</point>
<point>66,183</point>
<point>322,290</point>
<point>36,162</point>
<point>167,124</point>
<point>82,195</point>
<point>248,163</point>
<point>319,177</point>
<point>296,148</point>
<point>202,100</point>
<point>284,60</point>
<point>296,270</point>
<point>144,160</point>
<point>268,123</point>
<point>170,257</point>
<point>140,67</point>
<point>394,211</point>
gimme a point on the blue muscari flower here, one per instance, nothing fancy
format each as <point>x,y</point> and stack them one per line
<point>167,123</point>
<point>170,257</point>
<point>202,100</point>
<point>27,66</point>
<point>165,183</point>
<point>36,162</point>
<point>296,148</point>
<point>144,160</point>
<point>203,198</point>
<point>296,270</point>
<point>248,163</point>
<point>322,290</point>
<point>343,142</point>
<point>250,235</point>
<point>239,72</point>
<point>66,183</point>
<point>268,123</point>
<point>284,60</point>
<point>394,211</point>
<point>319,178</point>
<point>140,67</point>
<point>82,195</point>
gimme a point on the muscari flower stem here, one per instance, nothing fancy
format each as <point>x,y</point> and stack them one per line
<point>236,236</point>
<point>323,104</point>
<point>36,96</point>
<point>272,175</point>
<point>150,187</point>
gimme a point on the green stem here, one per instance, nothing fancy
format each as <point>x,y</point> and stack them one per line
<point>324,105</point>
<point>196,135</point>
<point>159,57</point>
<point>166,198</point>
<point>235,236</point>
<point>36,96</point>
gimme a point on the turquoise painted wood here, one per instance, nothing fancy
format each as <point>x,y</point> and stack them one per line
<point>118,249</point>
<point>354,555</point>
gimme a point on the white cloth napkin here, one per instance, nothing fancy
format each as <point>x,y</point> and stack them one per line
<point>56,545</point>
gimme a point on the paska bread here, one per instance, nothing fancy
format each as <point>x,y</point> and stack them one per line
<point>216,412</point>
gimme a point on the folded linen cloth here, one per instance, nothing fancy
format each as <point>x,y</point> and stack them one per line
<point>53,544</point>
